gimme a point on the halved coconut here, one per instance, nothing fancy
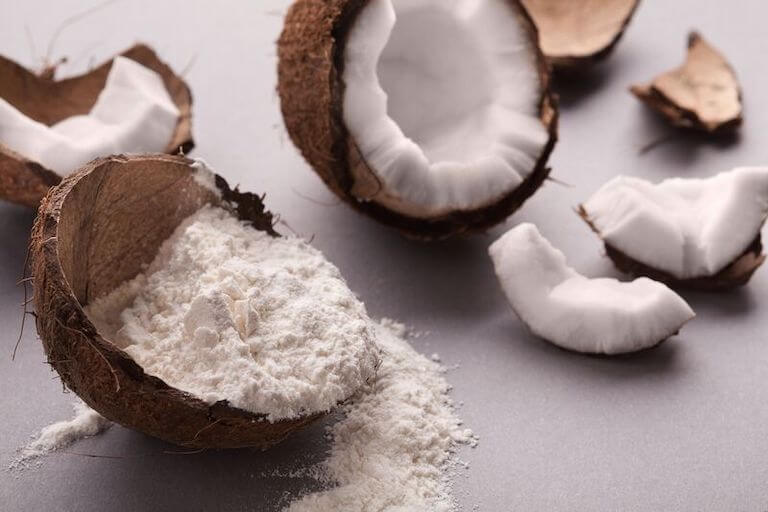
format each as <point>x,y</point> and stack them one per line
<point>703,94</point>
<point>432,116</point>
<point>696,233</point>
<point>50,101</point>
<point>592,316</point>
<point>98,229</point>
<point>576,33</point>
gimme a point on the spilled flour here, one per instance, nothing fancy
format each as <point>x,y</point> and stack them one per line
<point>396,444</point>
<point>59,435</point>
<point>392,451</point>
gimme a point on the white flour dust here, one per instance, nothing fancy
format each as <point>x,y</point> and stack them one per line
<point>394,449</point>
<point>226,312</point>
<point>59,435</point>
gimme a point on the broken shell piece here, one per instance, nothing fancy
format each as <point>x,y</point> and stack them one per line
<point>577,33</point>
<point>592,316</point>
<point>434,117</point>
<point>703,94</point>
<point>34,104</point>
<point>696,233</point>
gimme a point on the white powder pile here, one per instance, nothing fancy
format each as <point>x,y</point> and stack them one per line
<point>56,436</point>
<point>226,312</point>
<point>394,448</point>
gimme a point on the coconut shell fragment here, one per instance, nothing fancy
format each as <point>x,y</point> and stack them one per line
<point>703,94</point>
<point>311,52</point>
<point>94,231</point>
<point>44,99</point>
<point>577,33</point>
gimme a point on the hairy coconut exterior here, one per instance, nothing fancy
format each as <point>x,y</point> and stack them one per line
<point>575,34</point>
<point>703,94</point>
<point>311,89</point>
<point>97,229</point>
<point>738,273</point>
<point>49,101</point>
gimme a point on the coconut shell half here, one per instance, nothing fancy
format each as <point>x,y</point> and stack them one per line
<point>703,94</point>
<point>577,33</point>
<point>738,273</point>
<point>311,59</point>
<point>49,101</point>
<point>97,229</point>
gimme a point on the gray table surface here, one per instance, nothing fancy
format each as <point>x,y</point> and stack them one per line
<point>683,427</point>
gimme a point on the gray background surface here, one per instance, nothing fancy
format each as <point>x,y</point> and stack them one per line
<point>683,427</point>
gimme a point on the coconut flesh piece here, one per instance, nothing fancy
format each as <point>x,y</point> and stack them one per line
<point>578,32</point>
<point>49,101</point>
<point>133,113</point>
<point>593,316</point>
<point>703,94</point>
<point>449,121</point>
<point>686,228</point>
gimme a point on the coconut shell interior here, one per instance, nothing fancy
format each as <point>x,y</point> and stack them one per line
<point>703,94</point>
<point>737,273</point>
<point>95,230</point>
<point>49,101</point>
<point>576,33</point>
<point>311,62</point>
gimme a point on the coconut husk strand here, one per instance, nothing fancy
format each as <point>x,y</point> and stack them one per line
<point>97,229</point>
<point>736,274</point>
<point>578,33</point>
<point>311,53</point>
<point>49,101</point>
<point>703,94</point>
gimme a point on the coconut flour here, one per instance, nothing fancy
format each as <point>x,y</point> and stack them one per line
<point>59,435</point>
<point>227,312</point>
<point>397,441</point>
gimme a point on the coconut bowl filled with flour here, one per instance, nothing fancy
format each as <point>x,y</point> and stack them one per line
<point>169,304</point>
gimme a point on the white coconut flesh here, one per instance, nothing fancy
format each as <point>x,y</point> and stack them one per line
<point>595,316</point>
<point>688,228</point>
<point>442,99</point>
<point>133,114</point>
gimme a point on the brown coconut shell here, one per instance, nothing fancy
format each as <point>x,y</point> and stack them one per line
<point>311,89</point>
<point>578,33</point>
<point>703,94</point>
<point>49,101</point>
<point>737,273</point>
<point>97,229</point>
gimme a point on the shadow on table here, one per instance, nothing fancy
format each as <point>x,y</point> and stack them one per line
<point>406,278</point>
<point>678,146</point>
<point>574,87</point>
<point>15,226</point>
<point>123,470</point>
<point>659,363</point>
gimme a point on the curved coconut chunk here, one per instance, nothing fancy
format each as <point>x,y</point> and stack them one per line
<point>133,113</point>
<point>448,121</point>
<point>574,32</point>
<point>703,93</point>
<point>688,228</point>
<point>596,316</point>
